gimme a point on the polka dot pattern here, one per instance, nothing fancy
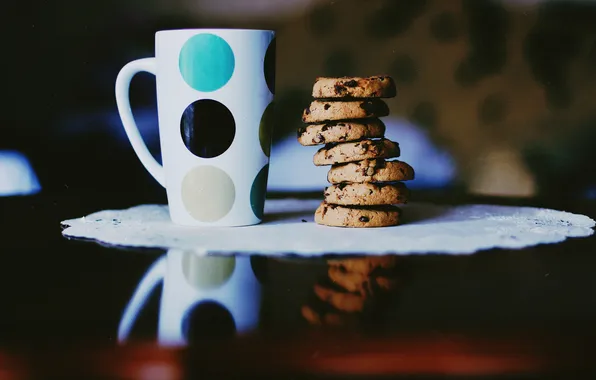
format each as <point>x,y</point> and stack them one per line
<point>258,192</point>
<point>207,272</point>
<point>266,129</point>
<point>259,268</point>
<point>208,320</point>
<point>208,193</point>
<point>206,62</point>
<point>207,128</point>
<point>269,65</point>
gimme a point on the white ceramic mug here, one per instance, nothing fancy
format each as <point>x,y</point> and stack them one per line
<point>215,90</point>
<point>189,281</point>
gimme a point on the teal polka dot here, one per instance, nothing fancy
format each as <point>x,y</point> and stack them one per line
<point>206,62</point>
<point>258,192</point>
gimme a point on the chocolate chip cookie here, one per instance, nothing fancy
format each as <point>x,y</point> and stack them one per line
<point>354,216</point>
<point>341,131</point>
<point>320,111</point>
<point>366,194</point>
<point>376,170</point>
<point>380,86</point>
<point>356,151</point>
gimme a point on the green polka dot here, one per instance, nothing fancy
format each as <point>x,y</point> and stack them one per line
<point>207,272</point>
<point>266,129</point>
<point>206,62</point>
<point>208,193</point>
<point>258,192</point>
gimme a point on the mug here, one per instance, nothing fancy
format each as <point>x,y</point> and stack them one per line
<point>225,287</point>
<point>215,90</point>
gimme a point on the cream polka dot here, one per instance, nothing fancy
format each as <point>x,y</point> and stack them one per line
<point>208,193</point>
<point>207,272</point>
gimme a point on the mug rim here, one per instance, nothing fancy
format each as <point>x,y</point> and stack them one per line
<point>207,30</point>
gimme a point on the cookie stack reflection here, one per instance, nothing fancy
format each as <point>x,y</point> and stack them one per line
<point>352,294</point>
<point>366,185</point>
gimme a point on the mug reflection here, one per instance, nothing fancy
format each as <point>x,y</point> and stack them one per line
<point>203,297</point>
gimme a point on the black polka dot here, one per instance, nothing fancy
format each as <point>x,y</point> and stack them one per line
<point>321,21</point>
<point>424,115</point>
<point>404,70</point>
<point>259,268</point>
<point>394,17</point>
<point>208,320</point>
<point>207,128</point>
<point>269,65</point>
<point>445,27</point>
<point>339,63</point>
<point>492,109</point>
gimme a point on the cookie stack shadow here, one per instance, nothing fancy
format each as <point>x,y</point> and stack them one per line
<point>366,186</point>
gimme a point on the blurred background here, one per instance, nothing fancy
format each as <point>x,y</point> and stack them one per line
<point>494,97</point>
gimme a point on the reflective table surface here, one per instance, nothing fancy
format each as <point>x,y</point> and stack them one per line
<point>80,309</point>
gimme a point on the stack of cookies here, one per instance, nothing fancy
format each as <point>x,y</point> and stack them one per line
<point>365,187</point>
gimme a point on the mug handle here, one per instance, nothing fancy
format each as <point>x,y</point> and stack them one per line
<point>154,275</point>
<point>132,131</point>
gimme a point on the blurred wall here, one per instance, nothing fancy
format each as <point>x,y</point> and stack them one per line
<point>505,88</point>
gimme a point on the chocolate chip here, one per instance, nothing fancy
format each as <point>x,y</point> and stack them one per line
<point>368,107</point>
<point>327,106</point>
<point>376,106</point>
<point>363,219</point>
<point>339,89</point>
<point>319,138</point>
<point>307,110</point>
<point>351,83</point>
<point>370,192</point>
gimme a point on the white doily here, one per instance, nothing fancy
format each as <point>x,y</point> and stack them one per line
<point>289,228</point>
